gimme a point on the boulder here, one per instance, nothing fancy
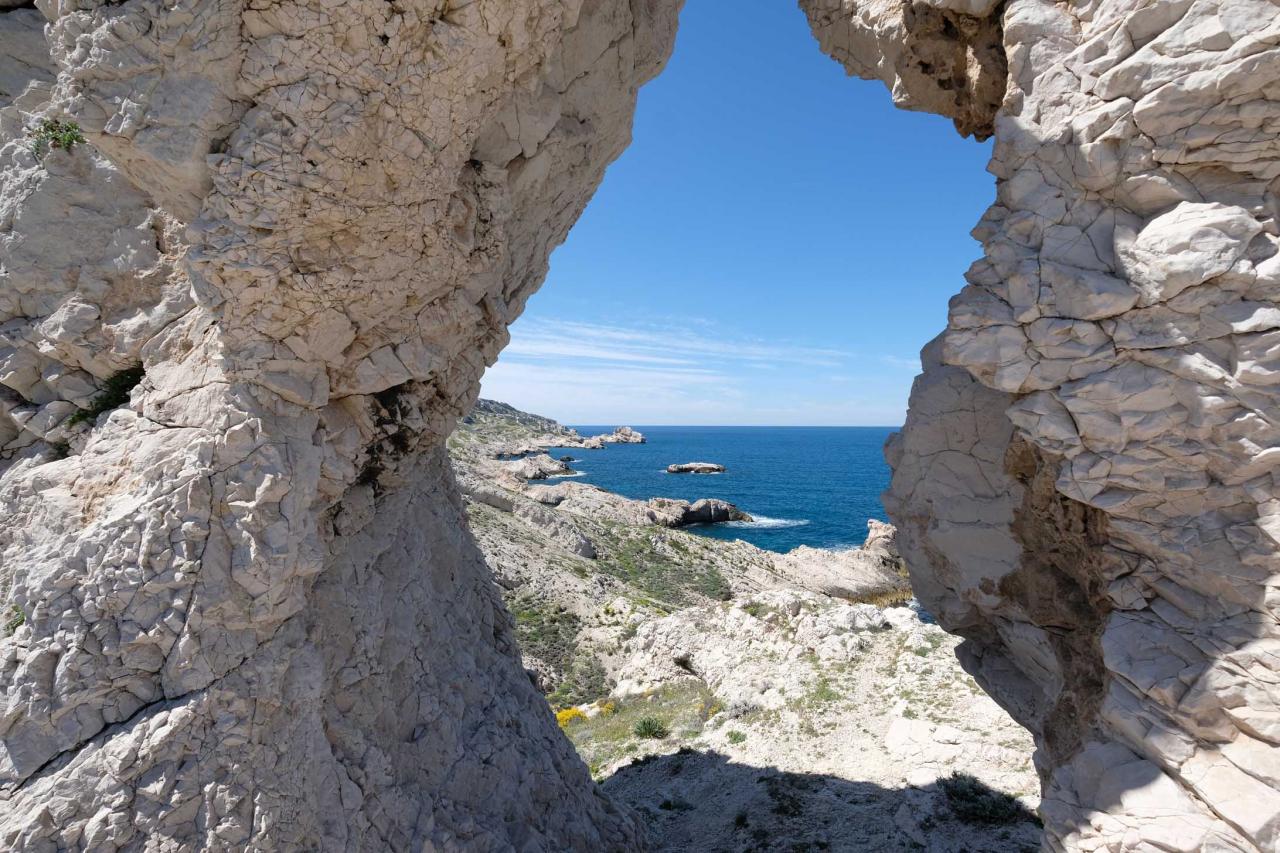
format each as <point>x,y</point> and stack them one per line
<point>712,511</point>
<point>540,466</point>
<point>871,571</point>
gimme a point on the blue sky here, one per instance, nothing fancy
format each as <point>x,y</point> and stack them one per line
<point>774,248</point>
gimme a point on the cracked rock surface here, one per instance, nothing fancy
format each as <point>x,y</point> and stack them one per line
<point>242,607</point>
<point>1085,488</point>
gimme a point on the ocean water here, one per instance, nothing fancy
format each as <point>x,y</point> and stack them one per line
<point>812,486</point>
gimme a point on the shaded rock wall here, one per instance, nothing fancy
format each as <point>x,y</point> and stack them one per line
<point>1085,486</point>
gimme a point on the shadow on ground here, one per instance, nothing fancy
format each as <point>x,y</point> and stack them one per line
<point>701,801</point>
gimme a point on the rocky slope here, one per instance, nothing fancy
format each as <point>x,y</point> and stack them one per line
<point>797,722</point>
<point>581,568</point>
<point>240,320</point>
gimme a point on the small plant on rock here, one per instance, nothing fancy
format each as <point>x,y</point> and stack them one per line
<point>15,621</point>
<point>52,133</point>
<point>114,394</point>
<point>736,736</point>
<point>650,727</point>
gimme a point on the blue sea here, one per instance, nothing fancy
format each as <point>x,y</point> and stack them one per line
<point>812,486</point>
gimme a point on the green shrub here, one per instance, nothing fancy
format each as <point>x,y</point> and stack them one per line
<point>548,632</point>
<point>585,682</point>
<point>736,736</point>
<point>114,394</point>
<point>975,803</point>
<point>52,133</point>
<point>650,727</point>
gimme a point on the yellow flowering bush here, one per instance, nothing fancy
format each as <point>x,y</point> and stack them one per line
<point>565,716</point>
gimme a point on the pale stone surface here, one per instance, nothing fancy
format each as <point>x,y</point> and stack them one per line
<point>243,608</point>
<point>834,726</point>
<point>854,573</point>
<point>695,468</point>
<point>1085,487</point>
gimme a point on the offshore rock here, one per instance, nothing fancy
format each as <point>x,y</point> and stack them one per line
<point>695,468</point>
<point>622,435</point>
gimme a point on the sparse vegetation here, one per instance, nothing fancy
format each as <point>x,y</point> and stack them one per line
<point>113,394</point>
<point>736,737</point>
<point>585,682</point>
<point>605,739</point>
<point>821,693</point>
<point>54,133</point>
<point>650,727</point>
<point>647,561</point>
<point>546,631</point>
<point>16,620</point>
<point>975,803</point>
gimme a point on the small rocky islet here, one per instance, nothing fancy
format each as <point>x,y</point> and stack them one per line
<point>695,468</point>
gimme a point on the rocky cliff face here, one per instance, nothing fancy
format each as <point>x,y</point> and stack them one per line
<point>244,608</point>
<point>237,324</point>
<point>1085,485</point>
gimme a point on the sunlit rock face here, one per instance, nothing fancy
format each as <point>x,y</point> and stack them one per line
<point>242,609</point>
<point>1084,487</point>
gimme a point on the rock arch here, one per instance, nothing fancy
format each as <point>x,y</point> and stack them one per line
<point>245,610</point>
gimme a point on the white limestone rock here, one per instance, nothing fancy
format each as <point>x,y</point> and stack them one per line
<point>245,611</point>
<point>1083,488</point>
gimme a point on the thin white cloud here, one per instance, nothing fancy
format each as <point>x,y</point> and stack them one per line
<point>659,345</point>
<point>550,348</point>
<point>580,372</point>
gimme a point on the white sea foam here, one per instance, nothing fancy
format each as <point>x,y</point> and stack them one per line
<point>562,476</point>
<point>764,522</point>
